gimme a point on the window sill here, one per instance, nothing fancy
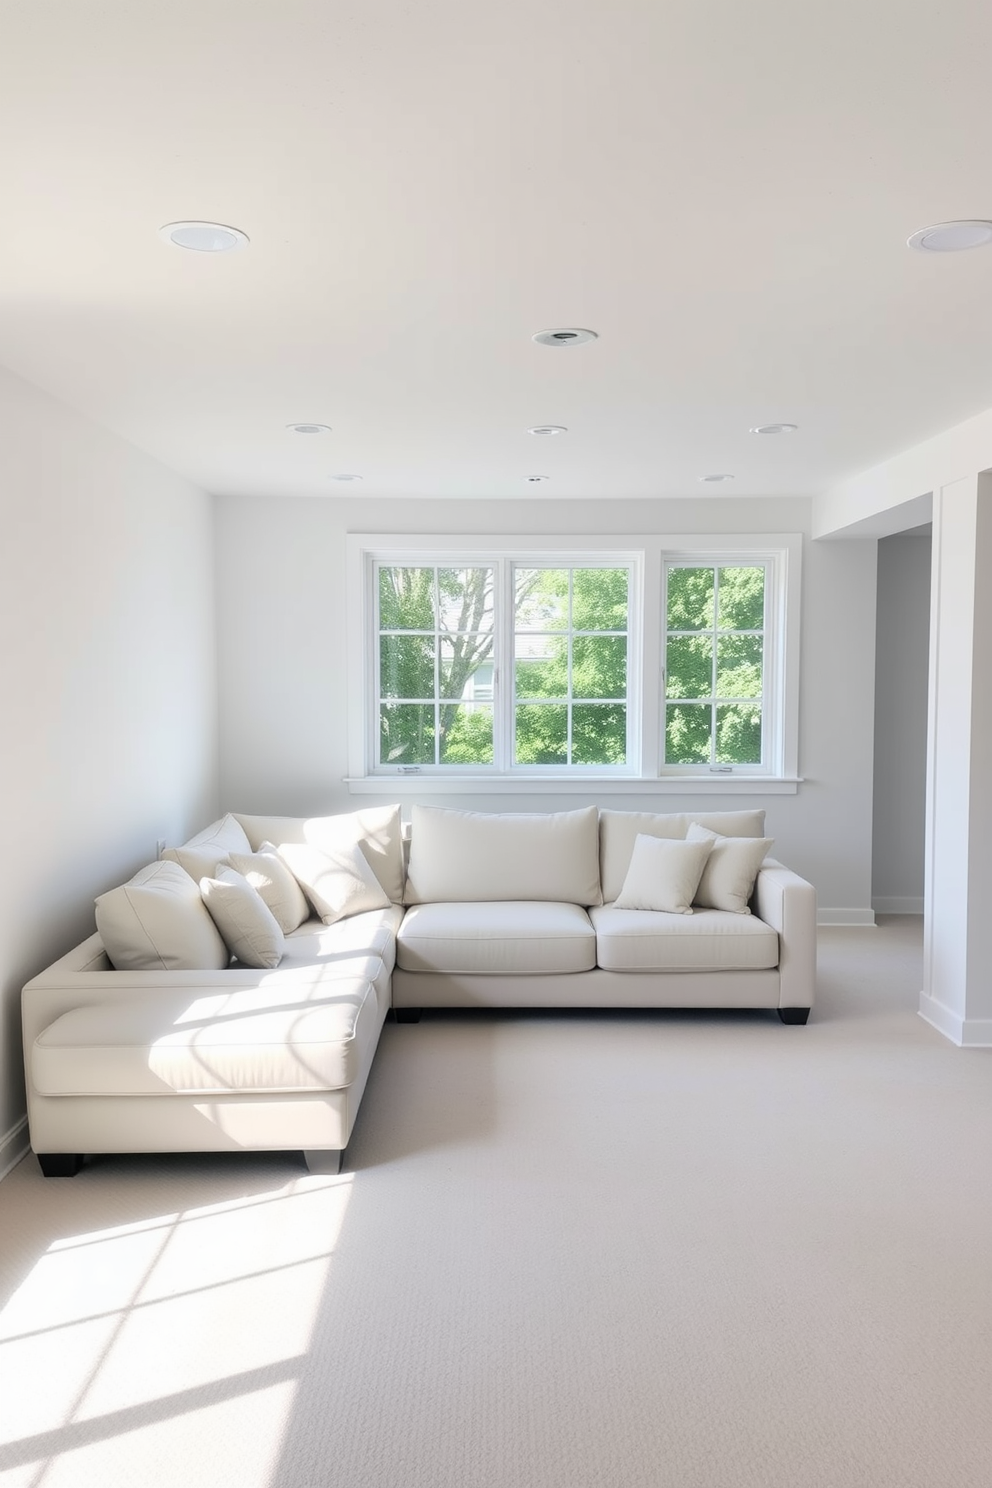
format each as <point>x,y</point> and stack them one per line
<point>399,786</point>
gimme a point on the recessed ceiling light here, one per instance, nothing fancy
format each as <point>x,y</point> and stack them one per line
<point>548,429</point>
<point>535,478</point>
<point>952,237</point>
<point>346,477</point>
<point>565,336</point>
<point>204,237</point>
<point>309,428</point>
<point>775,429</point>
<point>719,477</point>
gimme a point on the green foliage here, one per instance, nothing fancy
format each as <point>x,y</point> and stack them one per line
<point>406,733</point>
<point>469,740</point>
<point>739,665</point>
<point>738,734</point>
<point>599,734</point>
<point>688,728</point>
<point>689,667</point>
<point>542,734</point>
<point>599,599</point>
<point>690,598</point>
<point>742,598</point>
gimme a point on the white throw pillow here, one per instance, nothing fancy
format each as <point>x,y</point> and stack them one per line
<point>338,884</point>
<point>460,856</point>
<point>728,877</point>
<point>158,922</point>
<point>270,878</point>
<point>209,850</point>
<point>663,875</point>
<point>248,927</point>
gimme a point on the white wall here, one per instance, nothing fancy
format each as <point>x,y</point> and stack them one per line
<point>281,627</point>
<point>107,676</point>
<point>901,663</point>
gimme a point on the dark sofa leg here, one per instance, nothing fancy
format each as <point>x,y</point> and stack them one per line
<point>60,1164</point>
<point>793,1015</point>
<point>407,1015</point>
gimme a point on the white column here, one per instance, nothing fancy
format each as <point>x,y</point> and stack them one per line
<point>957,984</point>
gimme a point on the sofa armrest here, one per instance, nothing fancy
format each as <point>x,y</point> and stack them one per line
<point>84,978</point>
<point>787,903</point>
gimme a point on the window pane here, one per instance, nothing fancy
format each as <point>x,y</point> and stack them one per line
<point>599,667</point>
<point>738,734</point>
<point>599,734</point>
<point>742,599</point>
<point>467,734</point>
<point>465,598</point>
<point>406,598</point>
<point>406,733</point>
<point>406,666</point>
<point>687,733</point>
<point>738,666</point>
<point>690,598</point>
<point>599,599</point>
<point>466,666</point>
<point>542,678</point>
<point>541,598</point>
<point>689,667</point>
<point>542,734</point>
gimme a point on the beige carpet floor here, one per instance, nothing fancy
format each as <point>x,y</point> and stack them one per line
<point>571,1251</point>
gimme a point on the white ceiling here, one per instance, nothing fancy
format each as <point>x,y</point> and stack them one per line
<point>722,190</point>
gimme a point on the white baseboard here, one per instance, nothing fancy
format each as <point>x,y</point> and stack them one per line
<point>968,1033</point>
<point>845,917</point>
<point>13,1146</point>
<point>899,904</point>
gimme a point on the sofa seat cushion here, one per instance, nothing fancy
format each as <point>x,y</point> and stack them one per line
<point>706,940</point>
<point>294,1039</point>
<point>532,937</point>
<point>371,934</point>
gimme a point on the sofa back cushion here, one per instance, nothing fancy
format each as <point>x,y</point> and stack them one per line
<point>473,856</point>
<point>157,921</point>
<point>619,830</point>
<point>376,831</point>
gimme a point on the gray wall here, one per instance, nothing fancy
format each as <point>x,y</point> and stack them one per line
<point>108,683</point>
<point>283,676</point>
<point>901,659</point>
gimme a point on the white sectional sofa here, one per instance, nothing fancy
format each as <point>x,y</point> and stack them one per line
<point>155,1052</point>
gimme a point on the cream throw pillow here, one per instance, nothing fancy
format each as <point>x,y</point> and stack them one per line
<point>728,877</point>
<point>663,874</point>
<point>158,922</point>
<point>248,927</point>
<point>337,883</point>
<point>210,849</point>
<point>272,880</point>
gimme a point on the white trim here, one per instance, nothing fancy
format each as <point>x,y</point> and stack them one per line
<point>967,1033</point>
<point>904,904</point>
<point>860,918</point>
<point>13,1146</point>
<point>941,1017</point>
<point>782,550</point>
<point>403,786</point>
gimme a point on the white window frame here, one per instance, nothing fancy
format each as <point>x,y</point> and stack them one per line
<point>645,770</point>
